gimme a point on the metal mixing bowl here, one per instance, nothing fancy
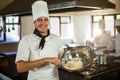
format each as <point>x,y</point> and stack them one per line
<point>83,54</point>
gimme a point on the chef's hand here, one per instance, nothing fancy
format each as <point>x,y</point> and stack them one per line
<point>54,60</point>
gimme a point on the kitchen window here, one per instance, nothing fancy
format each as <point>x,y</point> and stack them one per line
<point>118,16</point>
<point>1,30</point>
<point>61,25</point>
<point>11,28</point>
<point>109,24</point>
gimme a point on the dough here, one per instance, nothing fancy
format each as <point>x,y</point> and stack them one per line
<point>74,65</point>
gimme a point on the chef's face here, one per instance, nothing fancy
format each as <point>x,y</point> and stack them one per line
<point>41,24</point>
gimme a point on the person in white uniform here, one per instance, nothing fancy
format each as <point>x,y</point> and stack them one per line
<point>117,39</point>
<point>103,41</point>
<point>117,44</point>
<point>116,55</point>
<point>39,51</point>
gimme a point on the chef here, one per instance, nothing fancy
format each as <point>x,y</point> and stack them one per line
<point>39,52</point>
<point>117,39</point>
<point>115,57</point>
<point>104,41</point>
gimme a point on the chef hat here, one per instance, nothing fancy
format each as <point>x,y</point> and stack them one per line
<point>39,9</point>
<point>101,24</point>
<point>117,22</point>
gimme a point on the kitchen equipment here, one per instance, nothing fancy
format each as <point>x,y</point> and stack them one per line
<point>102,59</point>
<point>77,58</point>
<point>100,55</point>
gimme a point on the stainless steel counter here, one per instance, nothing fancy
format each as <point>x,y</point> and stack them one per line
<point>3,77</point>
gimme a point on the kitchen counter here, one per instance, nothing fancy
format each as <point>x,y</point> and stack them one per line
<point>1,56</point>
<point>100,72</point>
<point>7,53</point>
<point>7,64</point>
<point>3,77</point>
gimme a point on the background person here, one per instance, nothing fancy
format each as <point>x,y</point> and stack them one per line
<point>103,41</point>
<point>116,56</point>
<point>117,39</point>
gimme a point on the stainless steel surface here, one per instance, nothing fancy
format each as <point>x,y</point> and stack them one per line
<point>3,77</point>
<point>80,5</point>
<point>78,53</point>
<point>102,59</point>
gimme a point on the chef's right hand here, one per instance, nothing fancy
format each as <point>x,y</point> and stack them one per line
<point>54,60</point>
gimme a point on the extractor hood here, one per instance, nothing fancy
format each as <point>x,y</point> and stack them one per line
<point>57,6</point>
<point>80,5</point>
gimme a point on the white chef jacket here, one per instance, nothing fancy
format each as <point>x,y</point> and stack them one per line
<point>104,40</point>
<point>28,50</point>
<point>117,44</point>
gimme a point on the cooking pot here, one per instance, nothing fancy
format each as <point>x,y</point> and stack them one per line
<point>77,58</point>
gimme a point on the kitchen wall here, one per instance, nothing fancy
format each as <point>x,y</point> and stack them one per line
<point>27,25</point>
<point>82,29</point>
